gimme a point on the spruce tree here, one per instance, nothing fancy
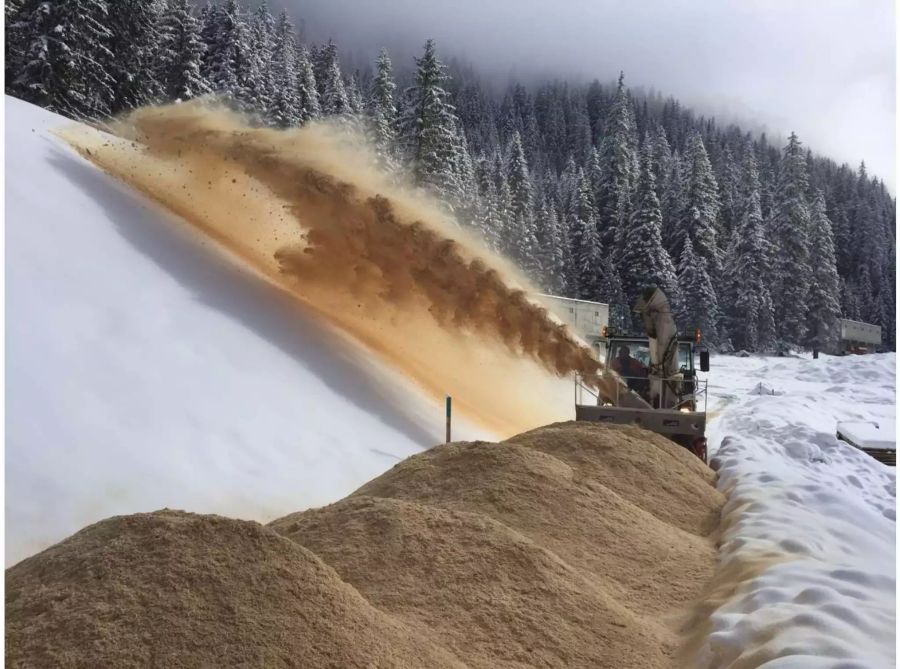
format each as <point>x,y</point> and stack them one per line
<point>307,90</point>
<point>134,43</point>
<point>824,291</point>
<point>609,291</point>
<point>730,194</point>
<point>887,304</point>
<point>550,239</point>
<point>791,275</point>
<point>261,91</point>
<point>642,258</point>
<point>617,160</point>
<point>285,108</point>
<point>220,34</point>
<point>64,52</point>
<point>521,205</point>
<point>491,223</point>
<point>849,300</point>
<point>697,219</point>
<point>747,307</point>
<point>383,110</point>
<point>698,306</point>
<point>585,242</point>
<point>181,53</point>
<point>661,159</point>
<point>568,187</point>
<point>868,312</point>
<point>466,205</point>
<point>333,98</point>
<point>248,77</point>
<point>428,128</point>
<point>672,203</point>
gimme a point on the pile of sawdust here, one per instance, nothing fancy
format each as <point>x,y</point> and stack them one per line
<point>172,589</point>
<point>572,545</point>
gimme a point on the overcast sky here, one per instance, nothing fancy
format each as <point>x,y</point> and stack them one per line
<point>824,68</point>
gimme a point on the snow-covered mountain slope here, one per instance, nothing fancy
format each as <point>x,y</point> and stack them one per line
<point>807,559</point>
<point>145,370</point>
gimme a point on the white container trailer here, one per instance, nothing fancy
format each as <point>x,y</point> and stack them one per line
<point>858,337</point>
<point>587,319</point>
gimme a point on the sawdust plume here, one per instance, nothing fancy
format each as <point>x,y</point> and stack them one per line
<point>307,209</point>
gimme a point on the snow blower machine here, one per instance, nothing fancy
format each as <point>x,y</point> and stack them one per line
<point>651,381</point>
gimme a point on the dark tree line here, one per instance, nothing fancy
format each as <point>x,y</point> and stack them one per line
<point>595,191</point>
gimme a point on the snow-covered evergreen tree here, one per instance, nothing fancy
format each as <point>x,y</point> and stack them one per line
<point>672,202</point>
<point>729,194</point>
<point>791,275</point>
<point>617,160</point>
<point>134,43</point>
<point>180,53</point>
<point>849,300</point>
<point>585,242</point>
<point>220,33</point>
<point>568,187</point>
<point>824,291</point>
<point>491,222</point>
<point>65,55</point>
<point>642,258</point>
<point>698,306</point>
<point>428,128</point>
<point>521,205</point>
<point>261,88</point>
<point>466,207</point>
<point>747,307</point>
<point>333,98</point>
<point>609,291</point>
<point>383,110</point>
<point>551,257</point>
<point>248,78</point>
<point>285,108</point>
<point>868,308</point>
<point>307,90</point>
<point>699,213</point>
<point>661,159</point>
<point>887,312</point>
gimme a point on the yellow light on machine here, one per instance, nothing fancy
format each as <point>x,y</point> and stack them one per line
<point>698,335</point>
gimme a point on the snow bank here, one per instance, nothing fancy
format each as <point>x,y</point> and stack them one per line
<point>144,370</point>
<point>809,525</point>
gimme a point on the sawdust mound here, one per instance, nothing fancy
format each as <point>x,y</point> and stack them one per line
<point>570,545</point>
<point>479,588</point>
<point>645,468</point>
<point>173,589</point>
<point>579,545</point>
<point>576,489</point>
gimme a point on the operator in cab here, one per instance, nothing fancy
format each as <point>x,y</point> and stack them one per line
<point>626,366</point>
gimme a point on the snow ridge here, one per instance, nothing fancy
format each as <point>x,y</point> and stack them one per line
<point>809,518</point>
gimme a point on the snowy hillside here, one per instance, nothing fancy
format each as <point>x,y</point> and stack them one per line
<point>146,371</point>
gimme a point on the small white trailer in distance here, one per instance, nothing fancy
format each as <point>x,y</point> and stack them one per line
<point>857,337</point>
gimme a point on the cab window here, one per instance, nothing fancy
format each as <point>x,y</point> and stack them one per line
<point>685,363</point>
<point>637,351</point>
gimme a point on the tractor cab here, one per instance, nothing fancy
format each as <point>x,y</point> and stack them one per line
<point>629,357</point>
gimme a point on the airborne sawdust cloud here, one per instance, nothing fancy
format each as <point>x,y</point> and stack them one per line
<point>308,210</point>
